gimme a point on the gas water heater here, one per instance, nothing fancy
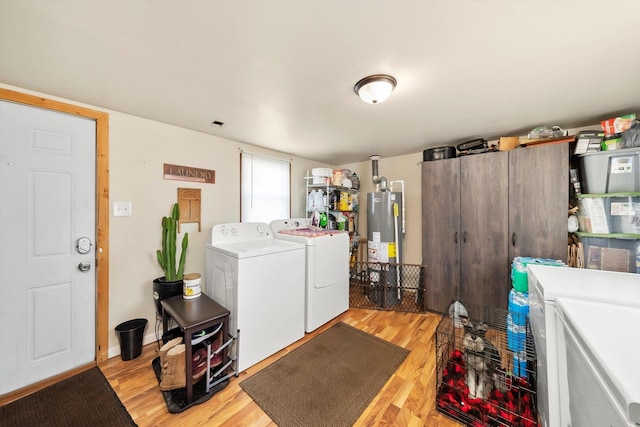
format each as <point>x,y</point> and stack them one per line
<point>385,230</point>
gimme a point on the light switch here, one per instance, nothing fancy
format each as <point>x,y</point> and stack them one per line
<point>122,209</point>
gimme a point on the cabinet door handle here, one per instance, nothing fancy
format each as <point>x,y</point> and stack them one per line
<point>455,237</point>
<point>464,236</point>
<point>513,239</point>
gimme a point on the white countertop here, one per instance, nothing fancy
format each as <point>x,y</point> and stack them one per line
<point>594,285</point>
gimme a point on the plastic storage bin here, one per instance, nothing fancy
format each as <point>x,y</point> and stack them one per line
<point>610,171</point>
<point>602,253</point>
<point>610,213</point>
<point>594,215</point>
<point>625,214</point>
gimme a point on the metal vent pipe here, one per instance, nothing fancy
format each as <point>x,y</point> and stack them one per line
<point>379,181</point>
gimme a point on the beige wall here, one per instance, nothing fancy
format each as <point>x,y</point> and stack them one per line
<point>138,148</point>
<point>406,168</point>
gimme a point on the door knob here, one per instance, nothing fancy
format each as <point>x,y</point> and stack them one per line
<point>84,266</point>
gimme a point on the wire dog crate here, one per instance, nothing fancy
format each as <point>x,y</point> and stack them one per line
<point>486,367</point>
<point>387,286</point>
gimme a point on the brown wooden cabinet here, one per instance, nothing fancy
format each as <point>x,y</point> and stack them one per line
<point>480,211</point>
<point>441,231</point>
<point>485,228</point>
<point>539,201</point>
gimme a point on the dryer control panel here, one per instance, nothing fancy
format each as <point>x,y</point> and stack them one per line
<point>289,224</point>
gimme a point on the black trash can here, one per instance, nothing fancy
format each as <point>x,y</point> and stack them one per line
<point>130,334</point>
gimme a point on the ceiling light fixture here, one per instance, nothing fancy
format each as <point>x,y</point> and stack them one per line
<point>376,88</point>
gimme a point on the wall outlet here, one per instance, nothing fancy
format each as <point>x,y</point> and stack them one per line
<point>122,209</point>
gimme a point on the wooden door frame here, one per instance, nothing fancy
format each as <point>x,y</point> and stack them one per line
<point>102,204</point>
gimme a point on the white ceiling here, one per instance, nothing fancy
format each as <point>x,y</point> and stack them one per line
<point>280,74</point>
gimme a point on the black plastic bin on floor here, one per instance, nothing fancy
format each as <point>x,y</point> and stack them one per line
<point>130,335</point>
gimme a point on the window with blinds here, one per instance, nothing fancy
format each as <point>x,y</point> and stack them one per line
<point>265,187</point>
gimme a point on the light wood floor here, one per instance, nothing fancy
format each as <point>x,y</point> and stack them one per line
<point>407,399</point>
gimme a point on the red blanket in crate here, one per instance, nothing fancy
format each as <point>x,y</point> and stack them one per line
<point>513,407</point>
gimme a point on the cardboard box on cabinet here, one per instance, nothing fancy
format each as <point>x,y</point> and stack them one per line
<point>508,143</point>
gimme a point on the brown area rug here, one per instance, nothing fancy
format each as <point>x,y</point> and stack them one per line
<point>328,381</point>
<point>86,399</point>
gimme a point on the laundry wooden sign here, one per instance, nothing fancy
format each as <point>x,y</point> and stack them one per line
<point>186,173</point>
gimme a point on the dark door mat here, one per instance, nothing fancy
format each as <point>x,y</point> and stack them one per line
<point>85,399</point>
<point>176,400</point>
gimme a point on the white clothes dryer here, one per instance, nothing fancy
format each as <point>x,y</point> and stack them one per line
<point>260,280</point>
<point>327,268</point>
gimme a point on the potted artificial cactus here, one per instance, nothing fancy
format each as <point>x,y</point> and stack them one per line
<point>171,283</point>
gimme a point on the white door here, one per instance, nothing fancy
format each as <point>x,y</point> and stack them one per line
<point>47,236</point>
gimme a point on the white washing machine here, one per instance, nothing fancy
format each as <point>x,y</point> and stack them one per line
<point>260,280</point>
<point>327,268</point>
<point>547,286</point>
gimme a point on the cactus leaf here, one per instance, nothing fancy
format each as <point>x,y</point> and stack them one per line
<point>167,255</point>
<point>183,255</point>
